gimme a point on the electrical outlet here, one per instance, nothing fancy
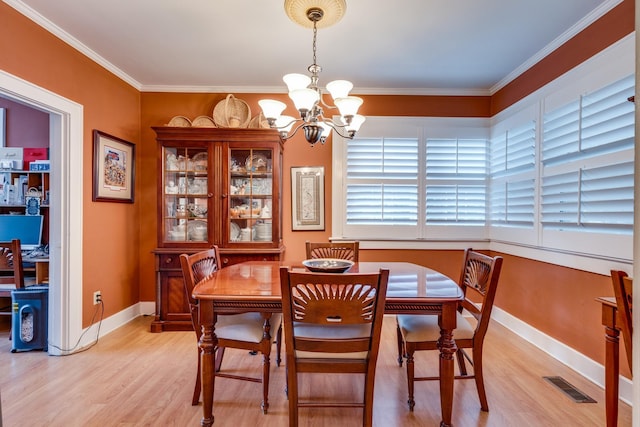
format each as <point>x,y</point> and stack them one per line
<point>97,297</point>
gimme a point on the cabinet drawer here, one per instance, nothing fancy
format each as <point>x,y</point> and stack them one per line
<point>230,259</point>
<point>169,262</point>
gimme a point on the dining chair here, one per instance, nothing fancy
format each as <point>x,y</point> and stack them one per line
<point>336,250</point>
<point>246,331</point>
<point>332,324</point>
<point>623,291</point>
<point>479,281</point>
<point>11,274</point>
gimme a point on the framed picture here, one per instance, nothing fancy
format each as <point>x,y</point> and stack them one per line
<point>307,198</point>
<point>113,168</point>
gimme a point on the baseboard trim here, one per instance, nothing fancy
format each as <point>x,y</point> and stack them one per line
<point>113,322</point>
<point>586,367</point>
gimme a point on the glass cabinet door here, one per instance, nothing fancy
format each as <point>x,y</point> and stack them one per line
<point>250,195</point>
<point>185,195</point>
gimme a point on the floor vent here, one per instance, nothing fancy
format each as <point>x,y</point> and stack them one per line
<point>568,389</point>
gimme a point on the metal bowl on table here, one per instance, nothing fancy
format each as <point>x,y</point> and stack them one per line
<point>327,265</point>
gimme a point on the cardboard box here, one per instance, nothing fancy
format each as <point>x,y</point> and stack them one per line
<point>32,154</point>
<point>11,158</point>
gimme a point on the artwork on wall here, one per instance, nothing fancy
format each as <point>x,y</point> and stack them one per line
<point>113,168</point>
<point>307,198</point>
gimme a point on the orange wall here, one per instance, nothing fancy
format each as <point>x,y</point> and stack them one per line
<point>110,242</point>
<point>117,257</point>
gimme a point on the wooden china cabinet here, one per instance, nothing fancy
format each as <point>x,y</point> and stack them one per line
<point>215,186</point>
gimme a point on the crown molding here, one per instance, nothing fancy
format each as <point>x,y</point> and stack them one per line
<point>555,44</point>
<point>71,41</point>
<point>85,50</point>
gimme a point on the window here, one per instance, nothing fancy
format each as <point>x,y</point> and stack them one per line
<point>512,176</point>
<point>587,153</point>
<point>382,176</point>
<point>401,186</point>
<point>456,173</point>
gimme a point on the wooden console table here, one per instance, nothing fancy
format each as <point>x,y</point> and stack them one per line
<point>612,357</point>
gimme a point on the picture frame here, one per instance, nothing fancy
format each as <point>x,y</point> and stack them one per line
<point>307,198</point>
<point>113,168</point>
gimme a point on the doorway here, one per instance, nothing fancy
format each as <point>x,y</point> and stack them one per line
<point>66,120</point>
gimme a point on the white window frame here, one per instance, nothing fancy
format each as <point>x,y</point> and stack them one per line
<point>421,128</point>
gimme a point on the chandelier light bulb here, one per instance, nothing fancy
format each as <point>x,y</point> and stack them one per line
<point>356,121</point>
<point>295,81</point>
<point>271,109</point>
<point>339,88</point>
<point>304,99</point>
<point>348,105</point>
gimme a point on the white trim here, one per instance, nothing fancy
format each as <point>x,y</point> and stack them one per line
<point>111,323</point>
<point>282,90</point>
<point>115,321</point>
<point>586,367</point>
<point>65,220</point>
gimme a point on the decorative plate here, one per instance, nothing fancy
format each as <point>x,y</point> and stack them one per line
<point>256,163</point>
<point>259,122</point>
<point>327,265</point>
<point>179,121</point>
<point>203,122</point>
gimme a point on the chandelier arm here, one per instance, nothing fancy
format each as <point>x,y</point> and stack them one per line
<point>297,128</point>
<point>286,125</point>
<point>324,104</point>
<point>336,128</point>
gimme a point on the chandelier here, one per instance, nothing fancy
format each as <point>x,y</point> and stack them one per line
<point>307,96</point>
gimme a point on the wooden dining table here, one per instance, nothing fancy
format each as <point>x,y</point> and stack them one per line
<point>254,286</point>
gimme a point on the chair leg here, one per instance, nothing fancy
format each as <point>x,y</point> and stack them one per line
<point>479,378</point>
<point>410,376</point>
<point>460,356</point>
<point>219,356</point>
<point>367,416</point>
<point>198,387</point>
<point>292,393</point>
<point>265,383</point>
<point>286,383</point>
<point>400,345</point>
<point>278,345</point>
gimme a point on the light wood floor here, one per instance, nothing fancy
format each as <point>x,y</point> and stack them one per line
<point>135,378</point>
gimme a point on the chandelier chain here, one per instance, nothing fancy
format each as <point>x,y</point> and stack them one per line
<point>315,33</point>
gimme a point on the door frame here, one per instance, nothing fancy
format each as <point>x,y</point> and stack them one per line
<point>66,126</point>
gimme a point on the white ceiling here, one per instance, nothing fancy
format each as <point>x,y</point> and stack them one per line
<point>384,47</point>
